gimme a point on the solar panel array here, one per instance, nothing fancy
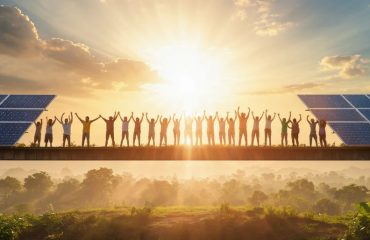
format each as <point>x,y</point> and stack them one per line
<point>17,113</point>
<point>348,115</point>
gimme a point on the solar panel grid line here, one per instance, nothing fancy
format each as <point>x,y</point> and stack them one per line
<point>355,107</point>
<point>3,100</point>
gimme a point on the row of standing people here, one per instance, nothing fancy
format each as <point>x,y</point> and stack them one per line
<point>188,131</point>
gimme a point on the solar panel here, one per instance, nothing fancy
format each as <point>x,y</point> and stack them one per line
<point>12,132</point>
<point>27,101</point>
<point>17,113</point>
<point>353,134</point>
<point>324,101</point>
<point>10,115</point>
<point>366,113</point>
<point>348,115</point>
<point>358,101</point>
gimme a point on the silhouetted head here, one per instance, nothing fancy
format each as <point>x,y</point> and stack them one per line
<point>66,120</point>
<point>255,118</point>
<point>87,118</point>
<point>269,117</point>
<point>125,119</point>
<point>38,123</point>
<point>50,121</point>
<point>210,117</point>
<point>110,118</point>
<point>231,120</point>
<point>222,119</point>
<point>165,120</point>
<point>243,114</point>
<point>199,118</point>
<point>284,119</point>
<point>137,119</point>
<point>312,120</point>
<point>152,120</point>
<point>294,120</point>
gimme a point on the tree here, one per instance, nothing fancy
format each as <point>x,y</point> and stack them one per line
<point>38,183</point>
<point>9,185</point>
<point>326,206</point>
<point>352,194</point>
<point>258,198</point>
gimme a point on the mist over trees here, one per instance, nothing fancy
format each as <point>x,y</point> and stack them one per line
<point>327,193</point>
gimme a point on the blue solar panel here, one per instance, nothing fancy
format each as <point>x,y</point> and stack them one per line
<point>353,133</point>
<point>324,101</point>
<point>366,113</point>
<point>11,132</point>
<point>348,115</point>
<point>2,97</point>
<point>19,115</point>
<point>27,101</point>
<point>358,101</point>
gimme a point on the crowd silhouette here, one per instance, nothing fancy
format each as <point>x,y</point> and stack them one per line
<point>228,121</point>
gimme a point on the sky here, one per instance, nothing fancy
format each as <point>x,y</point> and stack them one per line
<point>166,56</point>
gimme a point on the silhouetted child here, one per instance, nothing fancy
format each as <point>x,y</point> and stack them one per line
<point>37,137</point>
<point>268,124</point>
<point>222,127</point>
<point>313,134</point>
<point>284,129</point>
<point>67,124</point>
<point>49,131</point>
<point>163,134</point>
<point>151,134</point>
<point>137,129</point>
<point>243,118</point>
<point>125,125</point>
<point>322,133</point>
<point>256,128</point>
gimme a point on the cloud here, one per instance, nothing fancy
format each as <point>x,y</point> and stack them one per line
<point>347,66</point>
<point>266,23</point>
<point>291,88</point>
<point>71,62</point>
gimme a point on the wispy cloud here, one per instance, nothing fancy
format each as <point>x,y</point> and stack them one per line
<point>291,88</point>
<point>348,67</point>
<point>266,22</point>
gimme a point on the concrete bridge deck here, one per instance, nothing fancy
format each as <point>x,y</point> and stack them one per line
<point>171,153</point>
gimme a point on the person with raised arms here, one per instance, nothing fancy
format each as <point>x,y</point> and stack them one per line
<point>221,129</point>
<point>86,124</point>
<point>313,134</point>
<point>231,130</point>
<point>322,133</point>
<point>284,129</point>
<point>49,131</point>
<point>151,133</point>
<point>256,128</point>
<point>137,129</point>
<point>125,124</point>
<point>163,134</point>
<point>110,128</point>
<point>176,129</point>
<point>67,124</point>
<point>37,136</point>
<point>295,130</point>
<point>210,128</point>
<point>268,124</point>
<point>243,118</point>
<point>199,129</point>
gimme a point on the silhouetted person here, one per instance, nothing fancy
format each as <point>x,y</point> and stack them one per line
<point>210,129</point>
<point>37,137</point>
<point>125,123</point>
<point>163,134</point>
<point>243,118</point>
<point>256,128</point>
<point>110,128</point>
<point>189,129</point>
<point>231,130</point>
<point>295,130</point>
<point>49,131</point>
<point>222,129</point>
<point>67,124</point>
<point>313,134</point>
<point>137,129</point>
<point>284,129</point>
<point>269,121</point>
<point>151,133</point>
<point>199,129</point>
<point>322,133</point>
<point>86,129</point>
<point>176,129</point>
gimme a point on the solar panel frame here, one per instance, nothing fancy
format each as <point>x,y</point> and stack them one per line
<point>27,101</point>
<point>324,101</point>
<point>358,101</point>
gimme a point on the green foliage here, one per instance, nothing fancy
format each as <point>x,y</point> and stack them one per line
<point>359,227</point>
<point>12,226</point>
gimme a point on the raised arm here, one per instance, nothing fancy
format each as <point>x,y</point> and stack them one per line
<point>100,116</point>
<point>266,114</point>
<point>157,119</point>
<point>214,118</point>
<point>300,118</point>
<point>280,117</point>
<point>142,118</point>
<point>263,113</point>
<point>249,110</point>
<point>79,118</point>
<point>95,119</point>
<point>169,119</point>
<point>70,118</point>
<point>273,118</point>
<point>131,117</point>
<point>252,114</point>
<point>308,120</point>
<point>146,117</point>
<point>218,118</point>
<point>115,116</point>
<point>160,119</point>
<point>290,116</point>
<point>55,119</point>
<point>227,117</point>
<point>173,118</point>
<point>61,119</point>
<point>237,113</point>
<point>119,114</point>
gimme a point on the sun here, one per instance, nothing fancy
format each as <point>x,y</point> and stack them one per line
<point>189,72</point>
